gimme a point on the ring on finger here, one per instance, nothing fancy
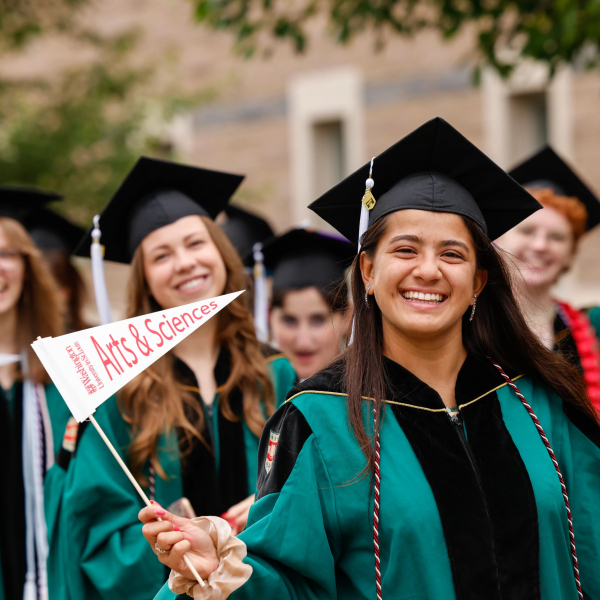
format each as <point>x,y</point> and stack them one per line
<point>159,550</point>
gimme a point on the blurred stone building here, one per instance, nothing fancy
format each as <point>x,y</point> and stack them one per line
<point>296,125</point>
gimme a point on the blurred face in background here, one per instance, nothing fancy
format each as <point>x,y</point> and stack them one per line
<point>12,274</point>
<point>182,263</point>
<point>306,330</point>
<point>542,248</point>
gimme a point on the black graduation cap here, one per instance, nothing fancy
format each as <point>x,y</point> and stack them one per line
<point>434,168</point>
<point>546,169</point>
<point>18,201</point>
<point>51,231</point>
<point>301,258</point>
<point>154,194</point>
<point>244,229</point>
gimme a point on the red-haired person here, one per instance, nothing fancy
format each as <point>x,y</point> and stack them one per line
<point>541,248</point>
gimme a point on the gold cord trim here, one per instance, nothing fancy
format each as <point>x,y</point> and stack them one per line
<point>433,410</point>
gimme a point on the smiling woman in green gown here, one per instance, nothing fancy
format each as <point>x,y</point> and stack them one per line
<point>412,468</point>
<point>188,427</point>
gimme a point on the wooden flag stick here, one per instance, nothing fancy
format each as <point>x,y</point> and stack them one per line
<point>137,486</point>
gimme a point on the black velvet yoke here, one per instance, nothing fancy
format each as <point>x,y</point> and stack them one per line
<point>481,486</point>
<point>219,488</point>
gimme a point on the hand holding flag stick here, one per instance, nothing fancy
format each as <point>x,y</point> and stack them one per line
<point>89,366</point>
<point>139,489</point>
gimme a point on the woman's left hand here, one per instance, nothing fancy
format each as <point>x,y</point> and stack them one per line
<point>237,515</point>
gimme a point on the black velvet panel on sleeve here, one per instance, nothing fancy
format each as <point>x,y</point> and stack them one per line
<point>63,457</point>
<point>293,431</point>
<point>12,496</point>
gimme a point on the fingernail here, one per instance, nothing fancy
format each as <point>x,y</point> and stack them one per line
<point>152,502</point>
<point>175,528</point>
<point>223,515</point>
<point>160,511</point>
<point>231,522</point>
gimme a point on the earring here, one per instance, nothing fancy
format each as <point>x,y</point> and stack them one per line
<point>367,295</point>
<point>474,306</point>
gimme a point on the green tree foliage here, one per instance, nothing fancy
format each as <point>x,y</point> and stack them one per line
<point>549,30</point>
<point>80,135</point>
<point>80,131</point>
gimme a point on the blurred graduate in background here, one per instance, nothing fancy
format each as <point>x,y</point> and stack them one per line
<point>188,427</point>
<point>309,296</point>
<point>542,248</point>
<point>32,412</point>
<point>244,229</point>
<point>57,238</point>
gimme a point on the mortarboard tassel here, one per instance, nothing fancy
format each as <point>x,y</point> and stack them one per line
<point>100,291</point>
<point>261,300</point>
<point>367,203</point>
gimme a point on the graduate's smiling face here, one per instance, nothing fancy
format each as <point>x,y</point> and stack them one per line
<point>423,274</point>
<point>182,263</point>
<point>542,247</point>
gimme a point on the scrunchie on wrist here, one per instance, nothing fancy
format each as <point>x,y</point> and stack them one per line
<point>231,573</point>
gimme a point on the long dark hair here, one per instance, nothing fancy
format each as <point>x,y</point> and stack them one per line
<point>499,331</point>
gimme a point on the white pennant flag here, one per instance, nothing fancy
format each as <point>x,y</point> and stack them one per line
<point>89,366</point>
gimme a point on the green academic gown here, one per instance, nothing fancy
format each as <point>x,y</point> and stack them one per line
<point>470,510</point>
<point>97,548</point>
<point>12,494</point>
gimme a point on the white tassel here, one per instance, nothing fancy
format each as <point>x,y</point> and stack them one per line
<point>29,589</point>
<point>100,290</point>
<point>35,431</point>
<point>363,223</point>
<point>261,300</point>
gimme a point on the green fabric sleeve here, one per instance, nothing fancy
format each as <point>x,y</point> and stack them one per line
<point>283,377</point>
<point>287,562</point>
<point>579,458</point>
<point>59,415</point>
<point>103,554</point>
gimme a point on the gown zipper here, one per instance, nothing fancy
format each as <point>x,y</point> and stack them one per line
<point>458,426</point>
<point>457,423</point>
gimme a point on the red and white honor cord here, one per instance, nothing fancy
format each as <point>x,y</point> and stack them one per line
<point>376,508</point>
<point>535,420</point>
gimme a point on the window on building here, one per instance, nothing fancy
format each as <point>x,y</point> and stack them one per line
<point>527,111</point>
<point>328,155</point>
<point>528,117</point>
<point>325,114</point>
